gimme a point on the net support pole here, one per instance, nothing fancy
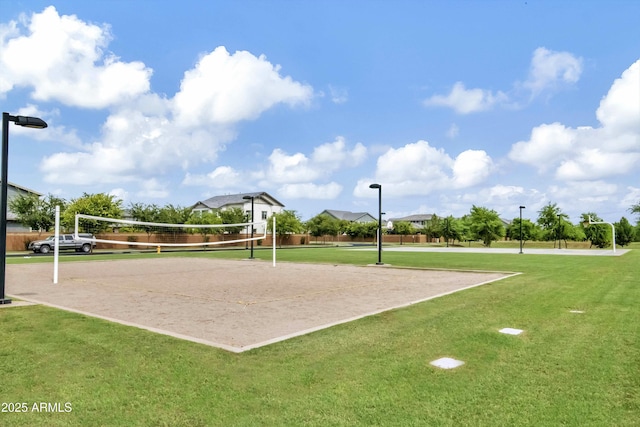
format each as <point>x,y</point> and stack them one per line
<point>274,240</point>
<point>56,246</point>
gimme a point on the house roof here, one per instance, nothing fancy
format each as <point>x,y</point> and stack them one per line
<point>218,202</point>
<point>414,218</point>
<point>506,222</point>
<point>23,189</point>
<point>20,189</point>
<point>349,216</point>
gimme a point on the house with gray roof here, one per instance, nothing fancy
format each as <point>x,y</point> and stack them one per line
<point>264,205</point>
<point>418,221</point>
<point>13,190</point>
<point>349,216</point>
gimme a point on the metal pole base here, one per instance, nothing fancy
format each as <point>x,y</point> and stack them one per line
<point>379,263</point>
<point>5,301</point>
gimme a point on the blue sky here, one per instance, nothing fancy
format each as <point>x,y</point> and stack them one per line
<point>446,104</point>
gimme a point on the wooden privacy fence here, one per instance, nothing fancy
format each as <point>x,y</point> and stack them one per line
<point>19,241</point>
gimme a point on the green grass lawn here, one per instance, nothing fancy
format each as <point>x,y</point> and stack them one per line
<point>566,369</point>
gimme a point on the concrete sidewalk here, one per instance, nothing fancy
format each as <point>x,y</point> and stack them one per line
<point>457,249</point>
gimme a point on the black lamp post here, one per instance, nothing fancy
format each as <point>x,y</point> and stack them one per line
<point>379,187</point>
<point>521,207</point>
<point>247,198</point>
<point>29,122</point>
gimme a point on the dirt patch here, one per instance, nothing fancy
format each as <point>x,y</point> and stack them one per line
<point>234,305</point>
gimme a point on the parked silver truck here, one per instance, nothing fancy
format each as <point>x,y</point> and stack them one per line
<point>67,242</point>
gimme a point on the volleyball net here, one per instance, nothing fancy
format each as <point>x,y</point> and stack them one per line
<point>113,231</point>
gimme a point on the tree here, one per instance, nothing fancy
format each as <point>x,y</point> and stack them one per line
<point>363,229</point>
<point>598,234</point>
<point>233,216</point>
<point>205,218</point>
<point>100,204</point>
<point>287,222</point>
<point>432,229</point>
<point>554,224</point>
<point>170,214</point>
<point>636,210</point>
<point>625,232</point>
<point>323,225</point>
<point>403,228</point>
<point>451,229</point>
<point>145,213</point>
<point>465,229</point>
<point>530,231</point>
<point>35,212</point>
<point>486,224</point>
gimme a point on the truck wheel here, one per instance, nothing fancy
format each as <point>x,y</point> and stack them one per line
<point>86,248</point>
<point>44,249</point>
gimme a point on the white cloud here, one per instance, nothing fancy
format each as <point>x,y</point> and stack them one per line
<point>453,131</point>
<point>67,62</point>
<point>631,198</point>
<point>465,101</point>
<point>338,95</point>
<point>326,158</point>
<point>223,177</point>
<point>152,189</point>
<point>134,145</point>
<point>292,175</point>
<point>334,155</point>
<point>498,195</point>
<point>284,168</point>
<point>418,162</point>
<point>151,135</point>
<point>120,194</point>
<point>471,167</point>
<point>145,134</point>
<point>550,69</point>
<point>594,163</point>
<point>225,89</point>
<point>420,169</point>
<point>504,199</point>
<point>583,196</point>
<point>546,143</point>
<point>619,110</point>
<point>586,153</point>
<point>311,191</point>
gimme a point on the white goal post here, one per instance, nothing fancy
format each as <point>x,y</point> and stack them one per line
<point>164,234</point>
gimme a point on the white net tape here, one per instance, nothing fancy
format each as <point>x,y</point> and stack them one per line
<point>103,230</point>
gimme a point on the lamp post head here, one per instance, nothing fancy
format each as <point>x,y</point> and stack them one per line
<point>248,197</point>
<point>522,207</point>
<point>375,186</point>
<point>29,122</point>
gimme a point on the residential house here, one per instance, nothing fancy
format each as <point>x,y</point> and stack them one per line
<point>349,216</point>
<point>13,190</point>
<point>264,206</point>
<point>418,221</point>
